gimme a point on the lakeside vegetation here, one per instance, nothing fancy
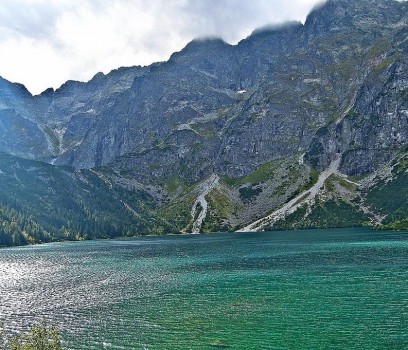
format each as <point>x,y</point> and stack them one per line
<point>40,337</point>
<point>41,203</point>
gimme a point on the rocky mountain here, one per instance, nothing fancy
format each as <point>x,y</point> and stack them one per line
<point>294,120</point>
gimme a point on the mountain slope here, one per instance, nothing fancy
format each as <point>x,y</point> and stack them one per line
<point>268,118</point>
<point>40,202</point>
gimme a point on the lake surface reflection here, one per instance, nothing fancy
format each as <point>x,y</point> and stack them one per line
<point>321,289</point>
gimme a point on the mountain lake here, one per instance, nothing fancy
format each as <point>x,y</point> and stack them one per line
<point>311,289</point>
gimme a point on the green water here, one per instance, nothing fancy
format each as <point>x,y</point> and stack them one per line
<point>325,289</point>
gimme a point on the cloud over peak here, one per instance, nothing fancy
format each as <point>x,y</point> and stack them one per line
<point>52,41</point>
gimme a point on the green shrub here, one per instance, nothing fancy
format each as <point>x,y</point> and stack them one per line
<point>39,338</point>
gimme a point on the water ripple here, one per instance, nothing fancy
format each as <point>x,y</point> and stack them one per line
<point>340,289</point>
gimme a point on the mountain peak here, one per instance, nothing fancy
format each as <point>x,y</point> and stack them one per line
<point>206,42</point>
<point>265,116</point>
<point>283,27</point>
<point>346,15</point>
<point>17,87</point>
<point>200,46</point>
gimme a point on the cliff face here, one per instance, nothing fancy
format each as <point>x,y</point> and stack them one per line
<point>281,104</point>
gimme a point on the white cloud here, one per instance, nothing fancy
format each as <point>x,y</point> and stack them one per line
<point>52,41</point>
<point>32,62</point>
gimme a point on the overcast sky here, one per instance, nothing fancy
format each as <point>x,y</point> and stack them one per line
<point>43,43</point>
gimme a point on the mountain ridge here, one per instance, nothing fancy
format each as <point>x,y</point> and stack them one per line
<point>266,116</point>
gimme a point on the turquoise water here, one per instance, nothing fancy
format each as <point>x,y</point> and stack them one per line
<point>321,289</point>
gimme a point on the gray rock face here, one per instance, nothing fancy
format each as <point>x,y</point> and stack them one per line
<point>375,128</point>
<point>337,84</point>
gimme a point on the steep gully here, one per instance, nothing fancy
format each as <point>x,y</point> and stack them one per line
<point>201,203</point>
<point>306,197</point>
<point>200,206</point>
